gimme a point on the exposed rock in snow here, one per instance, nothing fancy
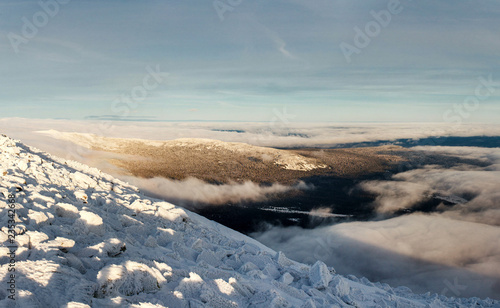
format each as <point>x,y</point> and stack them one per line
<point>85,239</point>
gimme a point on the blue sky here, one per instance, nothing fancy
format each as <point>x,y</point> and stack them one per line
<point>264,57</point>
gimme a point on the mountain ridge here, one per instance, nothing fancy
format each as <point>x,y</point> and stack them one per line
<point>218,161</point>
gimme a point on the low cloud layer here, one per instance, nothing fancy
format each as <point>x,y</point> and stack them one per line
<point>273,133</point>
<point>455,251</point>
<point>423,252</point>
<point>394,196</point>
<point>193,193</point>
<point>477,188</point>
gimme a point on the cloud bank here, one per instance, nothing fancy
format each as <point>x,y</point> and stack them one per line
<point>423,252</point>
<point>478,188</point>
<point>193,193</point>
<point>454,251</point>
<point>274,133</point>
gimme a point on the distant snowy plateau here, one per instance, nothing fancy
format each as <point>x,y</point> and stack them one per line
<point>86,239</point>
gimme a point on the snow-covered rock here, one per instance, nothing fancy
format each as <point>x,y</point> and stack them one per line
<point>85,239</point>
<point>319,275</point>
<point>129,278</point>
<point>66,210</point>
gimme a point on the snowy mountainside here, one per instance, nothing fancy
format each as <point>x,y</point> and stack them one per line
<point>85,239</point>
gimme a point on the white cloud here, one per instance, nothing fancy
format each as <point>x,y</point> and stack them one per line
<point>275,134</point>
<point>424,252</point>
<point>393,196</point>
<point>418,251</point>
<point>194,193</point>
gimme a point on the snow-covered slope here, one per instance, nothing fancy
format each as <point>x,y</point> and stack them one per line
<point>86,239</point>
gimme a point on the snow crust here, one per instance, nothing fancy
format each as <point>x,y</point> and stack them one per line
<point>86,239</point>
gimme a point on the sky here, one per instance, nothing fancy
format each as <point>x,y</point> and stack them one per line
<point>240,60</point>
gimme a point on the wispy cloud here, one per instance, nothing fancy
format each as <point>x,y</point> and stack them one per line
<point>193,193</point>
<point>268,54</point>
